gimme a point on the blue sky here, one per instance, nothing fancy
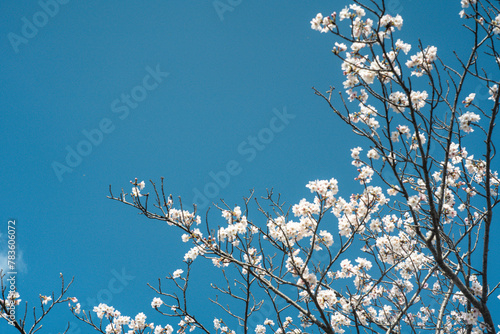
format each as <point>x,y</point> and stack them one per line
<point>231,75</point>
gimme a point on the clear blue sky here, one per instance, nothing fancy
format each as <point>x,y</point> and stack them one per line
<point>229,74</point>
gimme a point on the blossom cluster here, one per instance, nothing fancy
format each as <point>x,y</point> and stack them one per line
<point>118,321</point>
<point>422,61</point>
<point>323,24</point>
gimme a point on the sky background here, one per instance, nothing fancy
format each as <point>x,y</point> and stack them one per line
<point>228,75</point>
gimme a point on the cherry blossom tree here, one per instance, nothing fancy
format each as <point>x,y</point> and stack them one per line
<point>10,300</point>
<point>407,251</point>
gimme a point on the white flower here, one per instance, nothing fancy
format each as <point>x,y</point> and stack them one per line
<point>496,25</point>
<point>415,142</point>
<point>105,310</point>
<point>45,299</point>
<point>339,47</point>
<point>368,76</point>
<point>78,308</point>
<point>422,61</point>
<point>466,120</point>
<point>360,27</point>
<point>345,14</point>
<point>390,22</point>
<point>365,175</point>
<point>157,302</point>
<point>237,211</point>
<point>193,253</point>
<point>260,329</point>
<point>139,321</point>
<point>395,136</point>
<point>468,100</point>
<point>393,191</point>
<point>326,238</point>
<point>163,330</point>
<point>466,3</point>
<point>414,202</point>
<point>268,322</point>
<point>363,263</point>
<point>113,329</point>
<point>136,192</point>
<point>357,46</point>
<point>121,320</point>
<point>316,22</point>
<point>304,208</point>
<point>418,99</point>
<point>398,101</point>
<point>403,46</point>
<point>373,154</point>
<point>376,226</point>
<point>355,155</point>
<point>358,9</point>
<point>322,24</point>
<point>177,273</point>
<point>324,187</point>
<point>493,92</point>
